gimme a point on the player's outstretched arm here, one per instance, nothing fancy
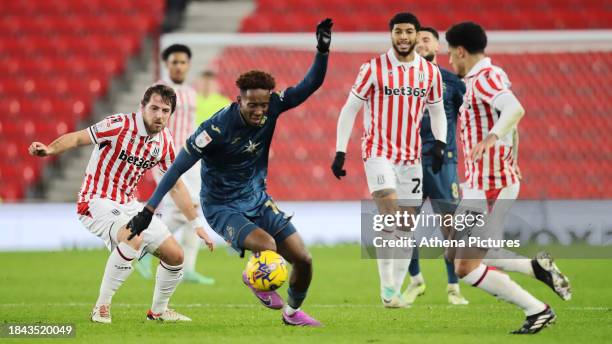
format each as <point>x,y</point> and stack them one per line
<point>294,96</point>
<point>61,144</point>
<point>141,221</point>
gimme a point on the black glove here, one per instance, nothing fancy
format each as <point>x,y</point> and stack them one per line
<point>338,164</point>
<point>438,156</point>
<point>140,222</point>
<point>324,35</point>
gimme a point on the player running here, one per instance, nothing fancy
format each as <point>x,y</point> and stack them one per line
<point>442,188</point>
<point>489,116</point>
<point>127,145</point>
<point>394,88</point>
<point>233,147</point>
<point>177,59</point>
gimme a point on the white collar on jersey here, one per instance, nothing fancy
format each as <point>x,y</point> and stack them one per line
<point>396,62</point>
<point>482,64</point>
<point>142,130</point>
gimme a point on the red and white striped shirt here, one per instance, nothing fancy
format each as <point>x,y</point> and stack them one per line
<point>181,123</point>
<point>395,95</point>
<point>123,153</point>
<point>478,116</point>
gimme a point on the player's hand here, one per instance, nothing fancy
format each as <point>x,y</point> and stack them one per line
<point>204,236</point>
<point>437,153</point>
<point>324,35</point>
<point>140,222</point>
<point>39,149</point>
<point>338,165</point>
<point>483,146</point>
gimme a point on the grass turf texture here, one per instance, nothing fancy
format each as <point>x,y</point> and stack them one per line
<point>61,287</point>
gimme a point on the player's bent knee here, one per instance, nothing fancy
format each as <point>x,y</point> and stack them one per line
<point>464,267</point>
<point>175,257</point>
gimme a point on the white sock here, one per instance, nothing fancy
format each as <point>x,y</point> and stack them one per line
<point>385,263</point>
<point>167,278</point>
<point>191,245</point>
<point>509,261</point>
<point>290,310</point>
<point>501,286</point>
<point>118,269</point>
<point>417,279</point>
<point>401,260</point>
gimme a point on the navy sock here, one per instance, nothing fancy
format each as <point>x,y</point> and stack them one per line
<point>450,271</point>
<point>414,267</point>
<point>295,298</point>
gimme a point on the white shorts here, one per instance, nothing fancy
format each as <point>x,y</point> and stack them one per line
<point>105,217</point>
<point>494,204</point>
<point>406,180</point>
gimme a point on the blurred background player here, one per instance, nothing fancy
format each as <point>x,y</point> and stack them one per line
<point>393,89</point>
<point>127,145</point>
<point>208,100</point>
<point>442,188</point>
<point>234,147</point>
<point>489,115</point>
<point>177,59</point>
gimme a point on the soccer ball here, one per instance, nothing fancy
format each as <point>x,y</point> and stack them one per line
<point>267,270</point>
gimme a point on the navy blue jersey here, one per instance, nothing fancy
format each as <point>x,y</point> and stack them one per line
<point>234,154</point>
<point>454,89</point>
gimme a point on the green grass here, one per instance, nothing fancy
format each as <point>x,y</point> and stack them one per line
<point>57,287</point>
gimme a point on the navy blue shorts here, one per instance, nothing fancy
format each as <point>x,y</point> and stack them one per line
<point>234,225</point>
<point>442,189</point>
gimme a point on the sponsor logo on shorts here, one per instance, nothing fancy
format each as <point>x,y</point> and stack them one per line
<point>115,212</point>
<point>381,180</point>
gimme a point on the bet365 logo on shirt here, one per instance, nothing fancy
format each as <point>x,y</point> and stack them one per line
<point>405,91</point>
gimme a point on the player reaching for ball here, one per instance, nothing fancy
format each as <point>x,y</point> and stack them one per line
<point>126,146</point>
<point>233,148</point>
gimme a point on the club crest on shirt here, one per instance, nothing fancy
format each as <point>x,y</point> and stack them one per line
<point>203,139</point>
<point>155,152</point>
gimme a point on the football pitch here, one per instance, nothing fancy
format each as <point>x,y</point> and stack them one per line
<point>61,287</point>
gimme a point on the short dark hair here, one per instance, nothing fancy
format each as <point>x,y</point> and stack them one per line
<point>175,48</point>
<point>166,92</point>
<point>431,30</point>
<point>208,73</point>
<point>255,79</point>
<point>404,18</point>
<point>469,35</point>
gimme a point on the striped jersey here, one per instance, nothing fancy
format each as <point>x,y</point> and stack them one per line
<point>483,84</point>
<point>123,153</point>
<point>395,94</point>
<point>182,122</point>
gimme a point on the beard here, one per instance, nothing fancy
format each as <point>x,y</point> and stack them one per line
<point>404,54</point>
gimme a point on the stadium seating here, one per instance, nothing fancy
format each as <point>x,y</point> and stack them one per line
<point>367,15</point>
<point>565,149</point>
<point>56,58</point>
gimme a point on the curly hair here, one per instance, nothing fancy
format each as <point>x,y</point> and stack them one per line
<point>469,35</point>
<point>255,79</point>
<point>166,92</point>
<point>175,48</point>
